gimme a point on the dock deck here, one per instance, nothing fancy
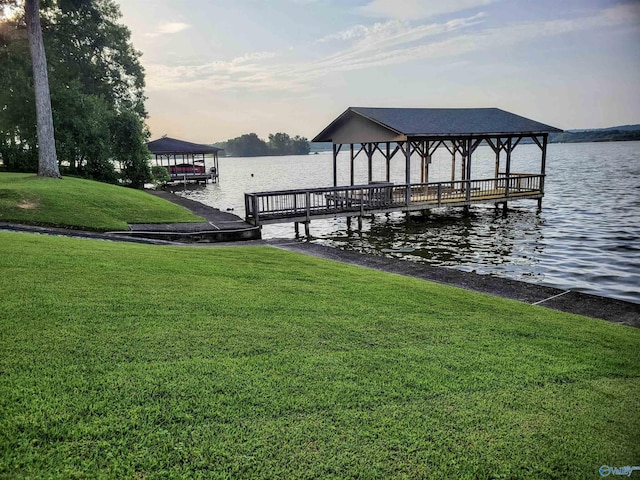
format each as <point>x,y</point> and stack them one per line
<point>302,205</point>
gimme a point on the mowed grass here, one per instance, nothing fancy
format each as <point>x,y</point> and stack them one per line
<point>136,361</point>
<point>79,203</point>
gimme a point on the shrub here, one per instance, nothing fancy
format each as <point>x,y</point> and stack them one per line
<point>159,175</point>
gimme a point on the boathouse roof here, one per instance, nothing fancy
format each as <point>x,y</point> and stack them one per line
<point>167,145</point>
<point>362,124</point>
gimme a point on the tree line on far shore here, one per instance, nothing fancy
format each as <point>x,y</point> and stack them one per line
<point>250,145</point>
<point>613,134</point>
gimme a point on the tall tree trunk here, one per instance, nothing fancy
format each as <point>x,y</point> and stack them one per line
<point>47,158</point>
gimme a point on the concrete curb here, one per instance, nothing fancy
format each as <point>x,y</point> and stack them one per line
<point>68,232</point>
<point>204,236</point>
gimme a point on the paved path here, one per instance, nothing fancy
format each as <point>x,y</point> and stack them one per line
<point>219,226</point>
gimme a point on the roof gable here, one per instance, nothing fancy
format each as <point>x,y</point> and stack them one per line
<point>352,127</point>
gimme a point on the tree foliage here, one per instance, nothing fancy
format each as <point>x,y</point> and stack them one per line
<point>250,145</point>
<point>97,92</point>
<point>247,145</point>
<point>283,144</point>
<point>129,148</point>
<point>160,175</point>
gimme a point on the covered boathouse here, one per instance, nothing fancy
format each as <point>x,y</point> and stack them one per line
<point>185,161</point>
<point>414,134</point>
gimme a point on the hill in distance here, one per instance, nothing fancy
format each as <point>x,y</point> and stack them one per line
<point>621,128</point>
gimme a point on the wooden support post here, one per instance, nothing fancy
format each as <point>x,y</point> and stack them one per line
<point>256,210</point>
<point>335,165</point>
<point>388,158</point>
<point>352,175</point>
<point>348,223</point>
<point>428,160</point>
<point>306,229</point>
<point>407,175</point>
<point>296,227</point>
<point>507,172</point>
<point>453,166</point>
<point>369,151</point>
<point>497,169</point>
<point>423,160</point>
<point>217,167</point>
<point>543,164</point>
<point>468,173</point>
<point>359,223</point>
<point>539,205</point>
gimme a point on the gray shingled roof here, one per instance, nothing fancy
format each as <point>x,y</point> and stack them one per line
<point>167,145</point>
<point>443,122</point>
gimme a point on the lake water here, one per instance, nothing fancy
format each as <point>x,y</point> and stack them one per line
<point>587,237</point>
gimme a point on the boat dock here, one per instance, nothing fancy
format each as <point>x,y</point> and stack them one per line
<point>186,161</point>
<point>408,133</point>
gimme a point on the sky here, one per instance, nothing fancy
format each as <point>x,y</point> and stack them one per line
<point>219,69</point>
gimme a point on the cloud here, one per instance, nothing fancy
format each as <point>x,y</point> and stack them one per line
<point>168,28</point>
<point>253,56</point>
<point>417,9</point>
<point>623,13</point>
<point>396,42</point>
<point>255,71</point>
<point>396,31</point>
<point>252,71</point>
<point>392,42</point>
<point>359,47</point>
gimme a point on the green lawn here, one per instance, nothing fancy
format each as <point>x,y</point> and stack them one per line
<point>74,202</point>
<point>137,361</point>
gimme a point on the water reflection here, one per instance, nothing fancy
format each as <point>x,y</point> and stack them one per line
<point>483,241</point>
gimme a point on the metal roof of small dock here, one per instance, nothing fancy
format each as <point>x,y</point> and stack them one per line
<point>168,145</point>
<point>439,122</point>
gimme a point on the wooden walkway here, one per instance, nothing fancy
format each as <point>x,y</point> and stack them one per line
<point>303,205</point>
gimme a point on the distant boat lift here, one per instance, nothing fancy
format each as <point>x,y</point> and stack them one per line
<point>185,161</point>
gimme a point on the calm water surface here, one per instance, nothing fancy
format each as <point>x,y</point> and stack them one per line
<point>587,237</point>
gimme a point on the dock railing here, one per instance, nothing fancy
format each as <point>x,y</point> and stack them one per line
<point>302,205</point>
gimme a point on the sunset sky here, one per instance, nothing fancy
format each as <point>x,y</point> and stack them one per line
<point>216,70</point>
